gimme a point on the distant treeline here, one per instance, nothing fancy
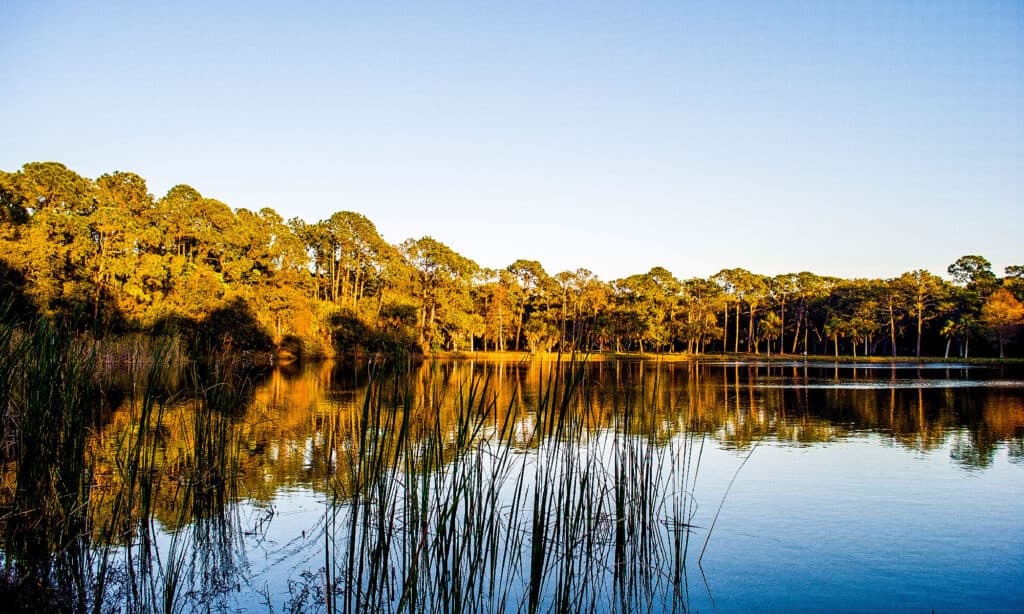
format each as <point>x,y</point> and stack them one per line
<point>107,256</point>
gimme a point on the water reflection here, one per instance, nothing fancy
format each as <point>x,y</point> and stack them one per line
<point>197,479</point>
<point>736,404</point>
<point>303,421</point>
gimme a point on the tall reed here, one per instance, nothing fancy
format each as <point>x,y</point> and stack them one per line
<point>435,511</point>
<point>442,495</point>
<point>197,482</point>
<point>50,404</point>
<point>80,527</point>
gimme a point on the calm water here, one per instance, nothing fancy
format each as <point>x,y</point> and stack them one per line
<point>836,488</point>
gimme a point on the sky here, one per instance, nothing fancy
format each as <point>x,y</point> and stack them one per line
<point>857,139</point>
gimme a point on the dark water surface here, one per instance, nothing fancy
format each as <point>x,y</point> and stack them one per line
<point>836,487</point>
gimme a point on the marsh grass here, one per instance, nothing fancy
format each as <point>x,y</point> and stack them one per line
<point>441,511</point>
<point>80,531</point>
<point>49,408</point>
<point>136,353</point>
<point>441,495</point>
<point>194,555</point>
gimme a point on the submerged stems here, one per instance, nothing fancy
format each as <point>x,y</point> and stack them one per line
<point>440,494</point>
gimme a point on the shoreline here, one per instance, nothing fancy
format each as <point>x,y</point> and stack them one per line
<point>742,357</point>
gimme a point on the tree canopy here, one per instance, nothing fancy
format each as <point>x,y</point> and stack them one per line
<point>110,257</point>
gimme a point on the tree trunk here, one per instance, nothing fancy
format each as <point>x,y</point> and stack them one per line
<point>725,330</point>
<point>796,334</point>
<point>920,314</point>
<point>423,327</point>
<point>336,279</point>
<point>892,330</point>
<point>99,296</point>
<point>356,287</point>
<point>430,323</point>
<point>519,325</point>
<point>751,337</point>
<point>782,331</point>
<point>948,341</point>
<point>737,349</point>
<point>343,293</point>
<point>561,334</point>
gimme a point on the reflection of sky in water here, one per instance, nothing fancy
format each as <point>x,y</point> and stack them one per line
<point>899,384</point>
<point>888,366</point>
<point>863,526</point>
<point>851,501</point>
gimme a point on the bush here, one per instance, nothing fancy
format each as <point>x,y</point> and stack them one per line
<point>232,327</point>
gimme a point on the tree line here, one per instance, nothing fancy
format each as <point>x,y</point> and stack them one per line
<point>110,257</point>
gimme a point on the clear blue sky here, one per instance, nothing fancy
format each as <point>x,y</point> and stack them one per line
<point>845,138</point>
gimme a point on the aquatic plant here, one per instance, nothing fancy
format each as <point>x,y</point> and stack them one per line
<point>442,496</point>
<point>435,515</point>
<point>78,520</point>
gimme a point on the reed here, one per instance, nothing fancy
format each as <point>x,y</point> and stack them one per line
<point>439,496</point>
<point>77,541</point>
<point>198,482</point>
<point>50,408</point>
<point>434,516</point>
<point>136,353</point>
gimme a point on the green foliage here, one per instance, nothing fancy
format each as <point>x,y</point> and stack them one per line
<point>541,335</point>
<point>394,336</point>
<point>231,327</point>
<point>348,332</point>
<point>110,257</point>
<point>1002,317</point>
<point>16,305</point>
<point>50,402</point>
<point>1014,281</point>
<point>975,272</point>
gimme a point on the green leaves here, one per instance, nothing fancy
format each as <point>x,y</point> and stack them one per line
<point>107,254</point>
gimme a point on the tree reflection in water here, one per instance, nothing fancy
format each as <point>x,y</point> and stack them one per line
<point>532,485</point>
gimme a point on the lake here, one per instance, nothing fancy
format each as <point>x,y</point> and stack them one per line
<point>600,486</point>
